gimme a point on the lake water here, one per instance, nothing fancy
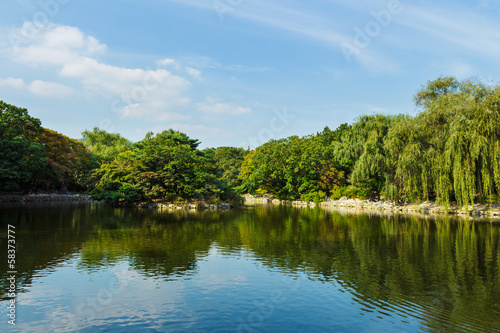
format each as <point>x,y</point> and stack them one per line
<point>93,268</point>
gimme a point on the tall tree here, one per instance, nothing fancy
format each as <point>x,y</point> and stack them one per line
<point>69,163</point>
<point>451,150</point>
<point>20,151</point>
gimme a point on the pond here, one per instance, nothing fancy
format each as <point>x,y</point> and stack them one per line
<point>94,268</point>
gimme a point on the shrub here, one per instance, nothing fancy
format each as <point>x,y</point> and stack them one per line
<point>116,193</point>
<point>316,197</point>
<point>350,192</point>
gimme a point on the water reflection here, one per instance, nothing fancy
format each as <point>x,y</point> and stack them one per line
<point>432,275</point>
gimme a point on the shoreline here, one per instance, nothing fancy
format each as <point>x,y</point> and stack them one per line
<point>343,204</point>
<point>6,199</point>
<point>425,208</point>
<point>45,197</point>
<point>197,205</point>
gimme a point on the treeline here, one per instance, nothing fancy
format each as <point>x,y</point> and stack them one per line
<point>449,152</point>
<point>167,166</point>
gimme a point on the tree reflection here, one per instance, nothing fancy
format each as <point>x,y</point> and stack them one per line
<point>444,272</point>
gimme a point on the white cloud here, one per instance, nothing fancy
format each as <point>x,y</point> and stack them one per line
<point>427,27</point>
<point>50,89</point>
<point>449,28</point>
<point>11,82</point>
<point>155,95</point>
<point>193,72</point>
<point>154,111</point>
<point>125,81</point>
<point>38,87</point>
<point>166,62</point>
<point>55,45</point>
<point>211,106</point>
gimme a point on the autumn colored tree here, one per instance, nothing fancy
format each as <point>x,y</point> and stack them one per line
<point>68,162</point>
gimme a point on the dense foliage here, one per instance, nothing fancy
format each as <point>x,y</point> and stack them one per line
<point>105,146</point>
<point>291,167</point>
<point>228,161</point>
<point>33,157</point>
<point>166,166</point>
<point>449,151</point>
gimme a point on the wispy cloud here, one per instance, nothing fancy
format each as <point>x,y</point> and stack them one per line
<point>13,83</point>
<point>206,62</point>
<point>212,106</point>
<point>324,29</point>
<point>468,31</point>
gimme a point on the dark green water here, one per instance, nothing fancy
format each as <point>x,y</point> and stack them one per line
<point>92,268</point>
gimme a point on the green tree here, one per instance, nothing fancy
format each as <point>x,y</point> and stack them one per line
<point>451,149</point>
<point>20,151</point>
<point>172,166</point>
<point>228,161</point>
<point>294,167</point>
<point>164,166</point>
<point>106,146</point>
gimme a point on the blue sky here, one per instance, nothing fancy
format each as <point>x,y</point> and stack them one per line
<point>235,72</point>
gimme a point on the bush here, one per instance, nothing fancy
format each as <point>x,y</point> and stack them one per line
<point>315,197</point>
<point>116,193</point>
<point>350,192</point>
<point>261,191</point>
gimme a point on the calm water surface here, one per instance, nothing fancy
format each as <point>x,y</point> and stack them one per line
<point>93,268</point>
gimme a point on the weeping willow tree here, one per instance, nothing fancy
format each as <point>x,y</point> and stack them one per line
<point>369,170</point>
<point>451,150</point>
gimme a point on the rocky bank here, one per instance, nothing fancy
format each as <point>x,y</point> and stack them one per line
<point>491,210</point>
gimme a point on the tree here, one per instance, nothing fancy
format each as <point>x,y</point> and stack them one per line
<point>164,166</point>
<point>451,149</point>
<point>369,170</point>
<point>294,167</point>
<point>68,162</point>
<point>106,146</point>
<point>228,161</point>
<point>20,151</point>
